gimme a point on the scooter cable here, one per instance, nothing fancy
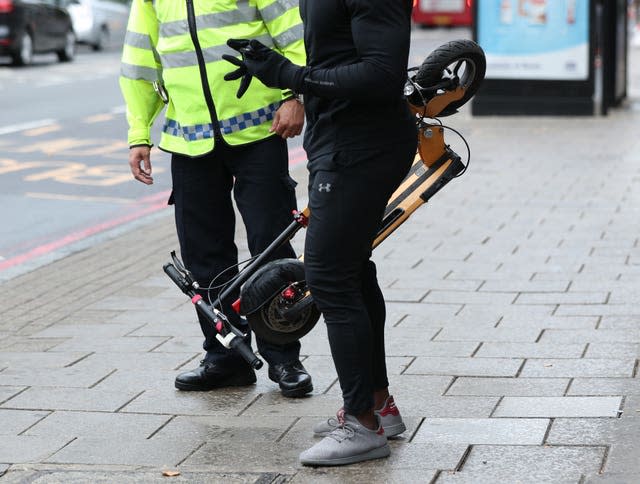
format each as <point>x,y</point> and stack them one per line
<point>221,287</point>
<point>465,143</point>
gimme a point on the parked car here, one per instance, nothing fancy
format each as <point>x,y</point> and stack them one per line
<point>99,23</point>
<point>34,26</point>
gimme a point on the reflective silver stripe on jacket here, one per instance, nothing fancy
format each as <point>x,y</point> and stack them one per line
<point>289,36</point>
<point>227,126</point>
<point>135,39</point>
<point>210,54</point>
<point>243,14</point>
<point>277,8</point>
<point>131,71</point>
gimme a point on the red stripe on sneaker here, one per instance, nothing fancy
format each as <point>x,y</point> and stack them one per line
<point>389,409</point>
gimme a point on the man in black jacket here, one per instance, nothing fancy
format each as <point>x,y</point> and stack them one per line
<point>360,141</point>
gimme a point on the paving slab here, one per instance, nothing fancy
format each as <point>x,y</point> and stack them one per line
<point>72,377</point>
<point>19,449</point>
<point>619,322</point>
<point>614,478</point>
<point>136,452</point>
<point>623,457</point>
<point>586,367</point>
<point>519,477</point>
<point>399,343</point>
<point>518,387</point>
<point>604,386</point>
<point>531,463</point>
<point>141,476</point>
<point>169,401</point>
<point>39,359</point>
<point>529,335</point>
<point>7,392</point>
<point>465,366</point>
<point>15,422</point>
<point>184,317</point>
<point>148,361</point>
<point>593,431</point>
<point>530,350</point>
<point>341,476</point>
<point>103,425</point>
<point>631,408</point>
<point>607,350</point>
<point>493,431</point>
<point>60,398</point>
<point>591,336</point>
<point>121,302</point>
<point>126,344</point>
<point>98,330</point>
<point>559,407</point>
<point>550,322</point>
<point>597,310</point>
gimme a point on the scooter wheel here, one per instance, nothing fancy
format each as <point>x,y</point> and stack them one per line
<point>262,303</point>
<point>461,59</point>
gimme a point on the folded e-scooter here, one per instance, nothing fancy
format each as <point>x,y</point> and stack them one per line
<point>273,294</point>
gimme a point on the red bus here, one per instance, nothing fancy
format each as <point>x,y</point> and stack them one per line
<point>442,12</point>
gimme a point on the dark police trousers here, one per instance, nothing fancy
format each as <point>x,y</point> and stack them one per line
<point>348,192</point>
<point>258,176</point>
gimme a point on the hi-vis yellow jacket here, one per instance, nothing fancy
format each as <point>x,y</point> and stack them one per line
<point>180,43</point>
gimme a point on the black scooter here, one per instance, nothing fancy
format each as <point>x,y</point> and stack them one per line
<point>273,295</point>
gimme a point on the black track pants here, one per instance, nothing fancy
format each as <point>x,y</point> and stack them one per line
<point>205,221</point>
<point>348,192</point>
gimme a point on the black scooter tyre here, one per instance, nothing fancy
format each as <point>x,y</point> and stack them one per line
<point>434,69</point>
<point>259,300</point>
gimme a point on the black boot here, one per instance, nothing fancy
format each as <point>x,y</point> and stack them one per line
<point>293,379</point>
<point>211,375</point>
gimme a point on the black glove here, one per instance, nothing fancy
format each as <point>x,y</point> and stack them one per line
<point>272,68</point>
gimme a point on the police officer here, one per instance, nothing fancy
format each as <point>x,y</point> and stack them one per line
<point>220,144</point>
<point>360,140</point>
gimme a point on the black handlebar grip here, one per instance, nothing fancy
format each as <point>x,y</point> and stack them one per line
<point>244,349</point>
<point>176,277</point>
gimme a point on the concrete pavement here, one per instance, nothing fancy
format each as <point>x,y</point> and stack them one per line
<point>513,337</point>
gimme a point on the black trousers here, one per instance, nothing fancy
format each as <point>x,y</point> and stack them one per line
<point>258,176</point>
<point>348,192</point>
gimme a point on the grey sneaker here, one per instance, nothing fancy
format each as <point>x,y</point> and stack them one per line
<point>389,416</point>
<point>348,443</point>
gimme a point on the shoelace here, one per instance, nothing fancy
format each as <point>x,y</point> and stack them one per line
<point>342,432</point>
<point>338,420</point>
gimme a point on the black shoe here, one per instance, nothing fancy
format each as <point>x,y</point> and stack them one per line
<point>293,379</point>
<point>215,375</point>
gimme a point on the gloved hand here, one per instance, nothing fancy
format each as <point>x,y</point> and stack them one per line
<point>272,68</point>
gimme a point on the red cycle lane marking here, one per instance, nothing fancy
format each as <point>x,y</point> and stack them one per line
<point>156,202</point>
<point>79,235</point>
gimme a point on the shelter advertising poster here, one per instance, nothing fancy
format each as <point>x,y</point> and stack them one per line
<point>535,39</point>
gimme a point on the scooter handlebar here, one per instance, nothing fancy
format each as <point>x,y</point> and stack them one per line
<point>237,342</point>
<point>245,351</point>
<point>176,277</point>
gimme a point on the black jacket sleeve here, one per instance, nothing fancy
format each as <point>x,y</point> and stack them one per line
<point>381,36</point>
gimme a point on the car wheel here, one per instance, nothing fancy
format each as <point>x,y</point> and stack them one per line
<point>69,51</point>
<point>103,39</point>
<point>24,56</point>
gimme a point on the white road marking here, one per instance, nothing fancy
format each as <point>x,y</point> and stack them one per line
<point>14,128</point>
<point>59,196</point>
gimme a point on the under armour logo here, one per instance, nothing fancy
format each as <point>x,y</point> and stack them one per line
<point>324,187</point>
